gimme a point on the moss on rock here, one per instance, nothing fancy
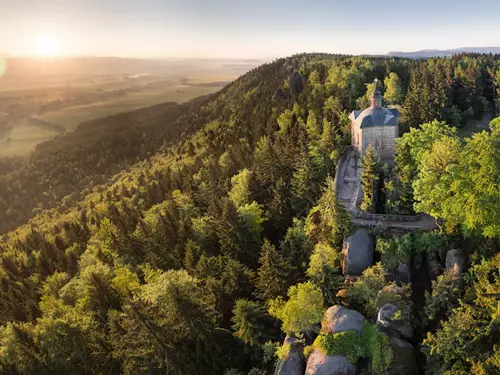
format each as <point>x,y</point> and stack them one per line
<point>371,344</point>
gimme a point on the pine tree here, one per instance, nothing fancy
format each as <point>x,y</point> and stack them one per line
<point>368,176</point>
<point>274,275</point>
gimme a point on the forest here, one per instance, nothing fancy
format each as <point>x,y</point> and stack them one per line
<point>192,239</point>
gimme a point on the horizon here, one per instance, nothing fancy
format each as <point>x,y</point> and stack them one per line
<point>384,54</point>
<point>157,29</point>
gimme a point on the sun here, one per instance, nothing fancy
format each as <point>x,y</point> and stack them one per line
<point>47,45</point>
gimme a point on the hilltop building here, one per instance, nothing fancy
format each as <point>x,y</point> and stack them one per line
<point>375,126</point>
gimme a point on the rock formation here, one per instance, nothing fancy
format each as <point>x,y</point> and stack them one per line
<point>387,323</point>
<point>321,364</point>
<point>294,363</point>
<point>455,262</point>
<point>358,252</point>
<point>340,319</point>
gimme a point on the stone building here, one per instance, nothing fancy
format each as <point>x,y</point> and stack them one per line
<point>375,126</point>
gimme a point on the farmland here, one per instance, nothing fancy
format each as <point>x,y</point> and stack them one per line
<point>41,99</point>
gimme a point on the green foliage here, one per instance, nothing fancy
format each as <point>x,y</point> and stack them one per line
<point>161,214</point>
<point>394,250</point>
<point>368,177</point>
<point>345,343</point>
<point>240,191</point>
<point>467,339</point>
<point>325,270</point>
<point>250,322</point>
<point>283,351</point>
<point>302,311</point>
<point>393,89</point>
<point>275,273</point>
<point>456,182</point>
<point>363,293</point>
<point>444,297</point>
<point>328,221</point>
<point>371,344</point>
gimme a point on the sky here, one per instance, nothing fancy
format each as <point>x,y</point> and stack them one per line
<point>243,29</point>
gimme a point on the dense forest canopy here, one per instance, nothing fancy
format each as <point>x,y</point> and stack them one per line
<point>190,239</point>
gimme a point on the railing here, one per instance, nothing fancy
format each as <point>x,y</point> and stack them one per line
<point>358,214</point>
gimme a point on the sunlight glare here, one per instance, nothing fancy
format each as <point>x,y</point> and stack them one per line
<point>46,45</point>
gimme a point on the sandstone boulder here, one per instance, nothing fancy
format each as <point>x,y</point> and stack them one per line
<point>358,252</point>
<point>321,364</point>
<point>391,326</point>
<point>404,361</point>
<point>340,319</point>
<point>404,275</point>
<point>455,262</point>
<point>294,363</point>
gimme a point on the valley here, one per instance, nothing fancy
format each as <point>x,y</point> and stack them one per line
<point>68,92</point>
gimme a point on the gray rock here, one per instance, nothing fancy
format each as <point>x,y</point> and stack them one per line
<point>386,323</point>
<point>455,262</point>
<point>404,273</point>
<point>392,289</point>
<point>321,364</point>
<point>404,362</point>
<point>294,363</point>
<point>358,252</point>
<point>340,319</point>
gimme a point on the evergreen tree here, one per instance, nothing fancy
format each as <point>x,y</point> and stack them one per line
<point>368,178</point>
<point>274,275</point>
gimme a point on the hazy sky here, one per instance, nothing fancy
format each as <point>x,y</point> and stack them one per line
<point>237,28</point>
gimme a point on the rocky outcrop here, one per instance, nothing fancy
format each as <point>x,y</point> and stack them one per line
<point>294,363</point>
<point>340,319</point>
<point>404,276</point>
<point>386,322</point>
<point>358,252</point>
<point>321,364</point>
<point>404,361</point>
<point>455,262</point>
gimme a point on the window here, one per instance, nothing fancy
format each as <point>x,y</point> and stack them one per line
<point>378,144</point>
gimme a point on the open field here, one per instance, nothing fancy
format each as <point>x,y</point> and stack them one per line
<point>72,116</point>
<point>23,138</point>
<point>69,91</point>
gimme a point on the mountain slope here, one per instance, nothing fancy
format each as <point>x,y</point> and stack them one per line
<point>94,152</point>
<point>169,268</point>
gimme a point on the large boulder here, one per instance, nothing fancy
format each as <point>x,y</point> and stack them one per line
<point>340,319</point>
<point>321,364</point>
<point>391,326</point>
<point>455,262</point>
<point>404,361</point>
<point>358,252</point>
<point>294,362</point>
<point>404,275</point>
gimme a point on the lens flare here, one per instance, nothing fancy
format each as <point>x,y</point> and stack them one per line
<point>3,67</point>
<point>46,45</point>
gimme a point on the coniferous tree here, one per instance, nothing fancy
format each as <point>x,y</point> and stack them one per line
<point>368,178</point>
<point>274,275</point>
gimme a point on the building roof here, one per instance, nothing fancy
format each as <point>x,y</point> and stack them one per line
<point>375,116</point>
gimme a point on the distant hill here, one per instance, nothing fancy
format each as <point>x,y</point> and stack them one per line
<point>445,52</point>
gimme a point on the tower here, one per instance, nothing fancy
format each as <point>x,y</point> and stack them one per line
<point>376,126</point>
